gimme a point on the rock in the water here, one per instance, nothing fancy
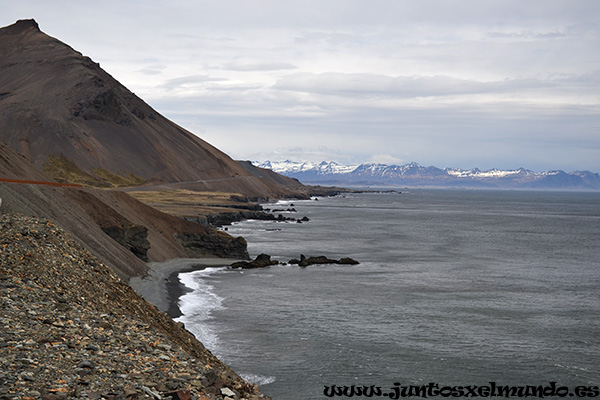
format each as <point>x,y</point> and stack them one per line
<point>261,261</point>
<point>305,262</point>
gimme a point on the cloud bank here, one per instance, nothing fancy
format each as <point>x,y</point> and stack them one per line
<point>463,84</point>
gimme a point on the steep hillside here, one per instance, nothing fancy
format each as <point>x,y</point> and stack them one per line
<point>115,227</point>
<point>61,111</point>
<point>118,229</point>
<point>15,166</point>
<point>72,329</point>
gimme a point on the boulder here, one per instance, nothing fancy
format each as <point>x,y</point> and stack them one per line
<point>320,260</point>
<point>131,236</point>
<point>261,261</point>
<point>305,262</point>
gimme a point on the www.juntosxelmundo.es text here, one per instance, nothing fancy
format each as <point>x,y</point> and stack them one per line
<point>432,389</point>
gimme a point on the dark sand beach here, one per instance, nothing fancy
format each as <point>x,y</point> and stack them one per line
<point>162,288</point>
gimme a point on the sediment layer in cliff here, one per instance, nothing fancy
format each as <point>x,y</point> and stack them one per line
<point>117,228</point>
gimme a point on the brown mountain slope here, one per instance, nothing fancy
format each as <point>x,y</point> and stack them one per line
<point>54,101</point>
<point>118,229</point>
<point>15,166</point>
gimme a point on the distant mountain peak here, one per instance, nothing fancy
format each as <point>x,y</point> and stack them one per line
<point>413,174</point>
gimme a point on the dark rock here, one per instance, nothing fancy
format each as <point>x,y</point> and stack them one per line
<point>261,261</point>
<point>54,396</point>
<point>63,307</point>
<point>86,364</point>
<point>320,260</point>
<point>105,106</point>
<point>305,262</point>
<point>132,236</point>
<point>216,244</point>
<point>210,378</point>
<point>227,218</point>
<point>179,395</point>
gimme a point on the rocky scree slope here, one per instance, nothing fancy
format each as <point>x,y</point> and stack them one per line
<point>70,328</point>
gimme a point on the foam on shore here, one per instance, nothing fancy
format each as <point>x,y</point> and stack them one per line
<point>197,306</point>
<point>162,288</point>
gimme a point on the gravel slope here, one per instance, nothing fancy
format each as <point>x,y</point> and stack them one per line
<point>71,328</point>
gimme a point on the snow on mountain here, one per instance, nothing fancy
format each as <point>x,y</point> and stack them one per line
<point>294,167</point>
<point>413,174</point>
<point>492,173</point>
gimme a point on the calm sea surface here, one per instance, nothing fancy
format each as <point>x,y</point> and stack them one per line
<point>454,287</point>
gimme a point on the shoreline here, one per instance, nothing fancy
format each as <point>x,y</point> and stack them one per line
<point>162,288</point>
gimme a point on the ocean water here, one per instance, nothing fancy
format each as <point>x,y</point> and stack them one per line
<point>456,287</point>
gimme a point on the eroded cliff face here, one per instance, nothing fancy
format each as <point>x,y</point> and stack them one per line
<point>121,231</point>
<point>133,237</point>
<point>213,243</point>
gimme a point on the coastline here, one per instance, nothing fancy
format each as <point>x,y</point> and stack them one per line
<point>162,288</point>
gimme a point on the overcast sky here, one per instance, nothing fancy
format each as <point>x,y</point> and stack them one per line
<point>451,83</point>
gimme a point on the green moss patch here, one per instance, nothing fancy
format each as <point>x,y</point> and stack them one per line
<point>64,170</point>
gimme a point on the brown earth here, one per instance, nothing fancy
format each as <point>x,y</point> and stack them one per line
<point>16,166</point>
<point>88,214</point>
<point>55,102</point>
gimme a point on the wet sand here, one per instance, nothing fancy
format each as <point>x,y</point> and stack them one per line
<point>162,287</point>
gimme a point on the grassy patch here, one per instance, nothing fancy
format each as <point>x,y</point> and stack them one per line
<point>65,171</point>
<point>182,196</point>
<point>117,180</point>
<point>187,202</point>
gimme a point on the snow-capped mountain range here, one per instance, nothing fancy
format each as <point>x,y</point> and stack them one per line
<point>413,174</point>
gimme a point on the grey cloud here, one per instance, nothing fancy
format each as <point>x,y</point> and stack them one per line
<point>527,35</point>
<point>234,88</point>
<point>175,83</point>
<point>329,37</point>
<point>437,135</point>
<point>449,83</point>
<point>258,66</point>
<point>397,86</point>
<point>149,71</point>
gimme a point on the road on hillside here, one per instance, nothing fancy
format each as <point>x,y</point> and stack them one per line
<point>39,182</point>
